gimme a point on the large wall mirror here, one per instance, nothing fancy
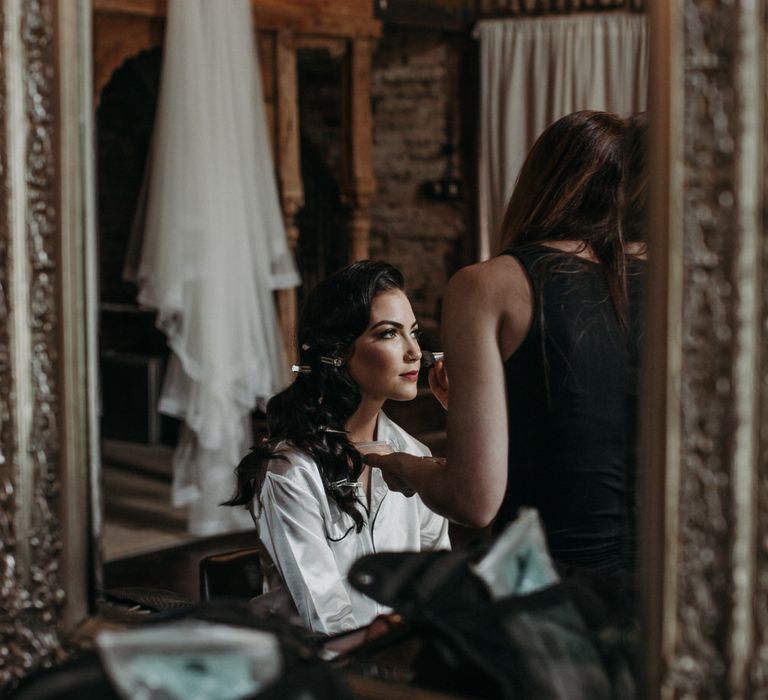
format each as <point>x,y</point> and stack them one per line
<point>704,511</point>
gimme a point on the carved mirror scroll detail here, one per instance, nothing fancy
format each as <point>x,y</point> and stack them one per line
<point>43,355</point>
<point>704,465</point>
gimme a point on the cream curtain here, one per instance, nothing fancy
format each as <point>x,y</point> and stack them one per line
<point>534,71</point>
<point>214,249</point>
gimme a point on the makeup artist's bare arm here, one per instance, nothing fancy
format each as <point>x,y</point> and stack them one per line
<point>487,312</point>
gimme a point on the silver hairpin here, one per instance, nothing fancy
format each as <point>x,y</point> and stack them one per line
<point>334,361</point>
<point>305,347</point>
<point>301,369</point>
<point>341,482</point>
<point>332,431</point>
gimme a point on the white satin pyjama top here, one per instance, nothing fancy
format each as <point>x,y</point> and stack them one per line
<point>313,543</point>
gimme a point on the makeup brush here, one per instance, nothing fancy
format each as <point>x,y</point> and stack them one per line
<point>428,358</point>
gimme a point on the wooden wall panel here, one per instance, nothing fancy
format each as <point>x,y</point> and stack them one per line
<point>523,8</point>
<point>123,28</point>
<point>118,37</point>
<point>358,183</point>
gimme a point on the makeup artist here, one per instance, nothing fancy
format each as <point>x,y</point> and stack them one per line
<point>542,349</point>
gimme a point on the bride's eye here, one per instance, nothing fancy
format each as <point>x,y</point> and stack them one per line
<point>388,333</point>
<point>416,333</point>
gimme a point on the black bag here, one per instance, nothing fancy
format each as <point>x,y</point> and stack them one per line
<point>560,642</point>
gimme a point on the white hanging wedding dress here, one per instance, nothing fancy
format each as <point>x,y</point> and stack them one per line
<point>214,249</point>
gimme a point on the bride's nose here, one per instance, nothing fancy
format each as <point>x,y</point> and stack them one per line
<point>413,353</point>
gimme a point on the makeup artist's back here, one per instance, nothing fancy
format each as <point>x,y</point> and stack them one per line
<point>572,410</point>
<point>542,352</point>
<point>541,348</point>
<point>571,382</point>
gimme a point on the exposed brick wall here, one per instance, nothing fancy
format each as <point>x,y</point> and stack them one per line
<point>417,114</point>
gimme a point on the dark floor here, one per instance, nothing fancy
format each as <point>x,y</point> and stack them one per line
<point>136,487</point>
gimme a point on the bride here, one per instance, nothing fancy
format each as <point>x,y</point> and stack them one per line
<point>317,505</point>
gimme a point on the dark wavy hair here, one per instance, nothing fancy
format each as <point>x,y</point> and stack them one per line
<point>335,313</point>
<point>570,187</point>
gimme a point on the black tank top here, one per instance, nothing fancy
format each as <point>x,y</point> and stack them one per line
<point>572,400</point>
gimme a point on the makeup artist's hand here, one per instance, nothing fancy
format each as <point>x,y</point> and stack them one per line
<point>383,624</point>
<point>401,470</point>
<point>438,382</point>
<point>395,468</point>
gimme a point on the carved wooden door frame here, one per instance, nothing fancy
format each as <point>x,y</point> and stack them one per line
<point>123,28</point>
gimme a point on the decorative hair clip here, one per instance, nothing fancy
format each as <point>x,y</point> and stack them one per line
<point>305,347</point>
<point>301,369</point>
<point>332,431</point>
<point>429,358</point>
<point>341,483</point>
<point>334,361</point>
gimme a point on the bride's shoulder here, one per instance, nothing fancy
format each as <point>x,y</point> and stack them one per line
<point>290,462</point>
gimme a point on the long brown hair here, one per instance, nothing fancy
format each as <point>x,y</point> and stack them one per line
<point>570,188</point>
<point>634,218</point>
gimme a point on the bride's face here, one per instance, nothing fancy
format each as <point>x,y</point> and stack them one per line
<point>385,358</point>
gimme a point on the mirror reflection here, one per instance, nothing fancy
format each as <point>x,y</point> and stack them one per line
<point>453,142</point>
<point>399,141</point>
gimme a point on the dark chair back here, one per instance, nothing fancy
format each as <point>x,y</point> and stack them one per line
<point>235,574</point>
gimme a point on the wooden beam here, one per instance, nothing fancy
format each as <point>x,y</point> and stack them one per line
<point>288,166</point>
<point>527,8</point>
<point>265,44</point>
<point>335,46</point>
<point>426,14</point>
<point>340,18</point>
<point>358,182</point>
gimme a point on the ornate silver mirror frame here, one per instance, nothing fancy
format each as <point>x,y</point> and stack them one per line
<point>48,439</point>
<point>704,508</point>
